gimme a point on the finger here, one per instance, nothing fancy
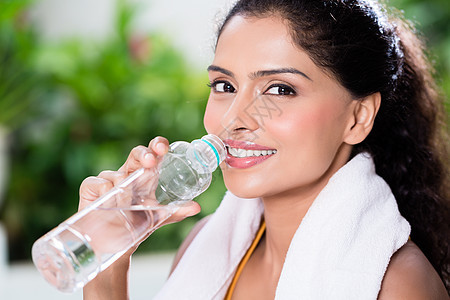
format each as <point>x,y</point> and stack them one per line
<point>159,145</point>
<point>92,188</point>
<point>137,159</point>
<point>187,209</point>
<point>146,157</point>
<point>157,148</point>
<point>114,176</point>
<point>127,193</point>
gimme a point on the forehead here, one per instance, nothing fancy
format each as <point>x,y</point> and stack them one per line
<point>254,27</point>
<point>259,43</point>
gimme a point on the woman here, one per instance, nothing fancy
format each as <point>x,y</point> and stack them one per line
<point>307,94</point>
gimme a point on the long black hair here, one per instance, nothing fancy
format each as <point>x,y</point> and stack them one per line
<point>368,50</point>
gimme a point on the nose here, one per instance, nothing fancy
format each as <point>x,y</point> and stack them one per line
<point>240,119</point>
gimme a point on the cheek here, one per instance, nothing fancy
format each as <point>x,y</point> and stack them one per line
<point>211,119</point>
<point>306,124</point>
<point>312,135</point>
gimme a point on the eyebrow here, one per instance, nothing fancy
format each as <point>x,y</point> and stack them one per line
<point>221,70</point>
<point>260,73</point>
<point>263,73</point>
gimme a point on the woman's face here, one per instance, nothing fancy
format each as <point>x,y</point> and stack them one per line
<point>283,118</point>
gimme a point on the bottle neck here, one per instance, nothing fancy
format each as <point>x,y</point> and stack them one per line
<point>209,152</point>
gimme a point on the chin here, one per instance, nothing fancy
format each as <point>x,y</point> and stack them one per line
<point>244,195</point>
<point>243,191</point>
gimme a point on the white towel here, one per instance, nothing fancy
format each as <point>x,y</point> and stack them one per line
<point>340,251</point>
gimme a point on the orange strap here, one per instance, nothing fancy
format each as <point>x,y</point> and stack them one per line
<point>245,259</point>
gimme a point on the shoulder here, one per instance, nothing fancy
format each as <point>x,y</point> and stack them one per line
<point>411,276</point>
<point>187,241</point>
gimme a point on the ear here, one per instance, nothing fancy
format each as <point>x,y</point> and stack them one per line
<point>363,118</point>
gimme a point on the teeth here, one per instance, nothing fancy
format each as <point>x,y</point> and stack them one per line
<point>237,152</point>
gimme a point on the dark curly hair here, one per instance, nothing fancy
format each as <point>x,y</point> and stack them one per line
<point>368,50</point>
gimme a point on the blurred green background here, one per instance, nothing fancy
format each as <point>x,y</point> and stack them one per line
<point>72,108</point>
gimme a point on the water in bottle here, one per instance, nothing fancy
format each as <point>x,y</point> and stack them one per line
<point>87,243</point>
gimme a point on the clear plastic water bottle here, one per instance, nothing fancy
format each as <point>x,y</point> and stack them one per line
<point>72,254</point>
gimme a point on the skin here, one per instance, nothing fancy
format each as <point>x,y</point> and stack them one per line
<point>112,284</point>
<point>313,137</point>
<point>313,132</point>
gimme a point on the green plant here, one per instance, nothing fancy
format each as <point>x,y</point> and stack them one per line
<point>77,107</point>
<point>102,99</point>
<point>18,83</point>
<point>431,18</point>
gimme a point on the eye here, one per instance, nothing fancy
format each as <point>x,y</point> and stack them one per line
<point>280,90</point>
<point>222,87</point>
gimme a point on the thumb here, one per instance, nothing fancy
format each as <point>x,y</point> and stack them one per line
<point>187,209</point>
<point>191,208</point>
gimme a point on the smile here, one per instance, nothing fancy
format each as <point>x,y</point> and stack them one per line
<point>241,153</point>
<point>244,154</point>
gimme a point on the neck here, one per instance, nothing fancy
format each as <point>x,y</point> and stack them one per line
<point>284,212</point>
<point>283,215</point>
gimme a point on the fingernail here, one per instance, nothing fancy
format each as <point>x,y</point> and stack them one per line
<point>149,156</point>
<point>160,148</point>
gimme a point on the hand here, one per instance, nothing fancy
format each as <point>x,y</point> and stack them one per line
<point>113,281</point>
<point>140,157</point>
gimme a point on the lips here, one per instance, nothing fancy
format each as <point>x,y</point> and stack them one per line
<point>242,154</point>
